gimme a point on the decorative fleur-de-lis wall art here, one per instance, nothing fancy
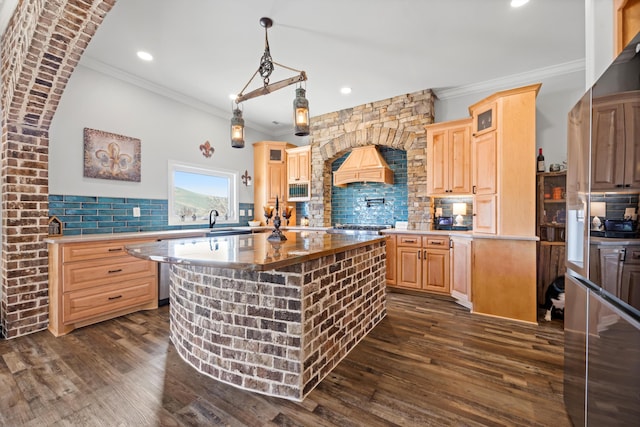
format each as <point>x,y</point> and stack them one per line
<point>207,149</point>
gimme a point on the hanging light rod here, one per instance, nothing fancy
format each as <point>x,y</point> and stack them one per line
<point>267,65</point>
<point>266,68</point>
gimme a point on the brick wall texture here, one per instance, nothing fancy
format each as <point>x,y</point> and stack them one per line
<point>278,332</point>
<point>41,46</point>
<point>396,122</point>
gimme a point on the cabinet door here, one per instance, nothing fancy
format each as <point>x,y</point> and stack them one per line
<point>630,285</point>
<point>293,167</point>
<point>437,162</point>
<point>391,260</point>
<point>304,165</point>
<point>276,182</point>
<point>485,163</point>
<point>461,270</point>
<point>436,270</point>
<point>409,267</point>
<point>632,145</point>
<point>611,269</point>
<point>607,163</point>
<point>460,160</point>
<point>484,217</point>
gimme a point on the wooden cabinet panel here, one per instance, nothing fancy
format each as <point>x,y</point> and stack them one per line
<point>95,250</point>
<point>97,301</point>
<point>270,176</point>
<point>485,164</point>
<point>630,285</point>
<point>460,279</point>
<point>89,274</point>
<point>422,262</point>
<point>93,281</point>
<point>449,158</point>
<point>391,260</point>
<point>409,267</point>
<point>436,270</point>
<point>615,150</point>
<point>611,269</point>
<point>484,217</point>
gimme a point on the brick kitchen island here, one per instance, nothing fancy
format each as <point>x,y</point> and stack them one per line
<point>274,318</point>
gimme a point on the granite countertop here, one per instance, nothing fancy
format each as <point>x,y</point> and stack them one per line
<point>167,234</point>
<point>249,251</point>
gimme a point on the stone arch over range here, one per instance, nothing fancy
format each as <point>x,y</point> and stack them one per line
<point>395,123</point>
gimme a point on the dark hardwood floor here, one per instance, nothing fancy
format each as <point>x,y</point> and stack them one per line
<point>428,363</point>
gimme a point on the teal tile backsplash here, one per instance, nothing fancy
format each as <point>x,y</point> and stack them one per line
<point>95,214</point>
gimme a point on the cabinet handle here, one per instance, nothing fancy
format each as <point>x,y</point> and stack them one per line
<point>627,185</point>
<point>419,252</point>
<point>435,242</point>
<point>409,241</point>
<point>635,255</point>
<point>115,271</point>
<point>623,255</point>
<point>619,185</point>
<point>474,189</point>
<point>115,249</point>
<point>116,297</point>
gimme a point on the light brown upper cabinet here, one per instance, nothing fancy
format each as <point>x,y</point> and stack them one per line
<point>449,158</point>
<point>616,148</point>
<point>299,173</point>
<point>626,22</point>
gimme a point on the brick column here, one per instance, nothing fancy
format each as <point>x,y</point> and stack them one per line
<point>40,49</point>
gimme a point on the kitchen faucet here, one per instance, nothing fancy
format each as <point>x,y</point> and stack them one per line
<point>212,217</point>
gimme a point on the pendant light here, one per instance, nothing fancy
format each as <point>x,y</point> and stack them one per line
<point>267,65</point>
<point>301,113</point>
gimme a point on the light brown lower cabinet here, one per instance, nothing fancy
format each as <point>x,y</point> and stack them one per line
<point>461,253</point>
<point>391,259</point>
<point>422,262</point>
<point>94,281</point>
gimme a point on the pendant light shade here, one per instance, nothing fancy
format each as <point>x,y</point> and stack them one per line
<point>301,113</point>
<point>237,129</point>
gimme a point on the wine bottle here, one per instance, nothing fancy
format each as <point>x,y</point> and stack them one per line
<point>540,160</point>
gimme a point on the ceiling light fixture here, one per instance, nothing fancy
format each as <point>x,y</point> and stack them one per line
<point>345,90</point>
<point>518,3</point>
<point>145,56</point>
<point>300,103</point>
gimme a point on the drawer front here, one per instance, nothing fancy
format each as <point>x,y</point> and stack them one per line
<point>633,255</point>
<point>96,250</point>
<point>76,276</point>
<point>407,240</point>
<point>89,303</point>
<point>436,242</point>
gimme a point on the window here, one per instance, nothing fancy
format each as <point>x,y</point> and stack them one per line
<point>194,191</point>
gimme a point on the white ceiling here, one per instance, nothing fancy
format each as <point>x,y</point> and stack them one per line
<point>205,50</point>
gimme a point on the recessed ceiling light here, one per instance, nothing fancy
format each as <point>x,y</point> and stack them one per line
<point>518,3</point>
<point>345,90</point>
<point>233,96</point>
<point>145,56</point>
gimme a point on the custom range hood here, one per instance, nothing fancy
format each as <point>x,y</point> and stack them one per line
<point>364,164</point>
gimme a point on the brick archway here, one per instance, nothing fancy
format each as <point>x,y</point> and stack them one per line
<point>395,122</point>
<point>40,49</point>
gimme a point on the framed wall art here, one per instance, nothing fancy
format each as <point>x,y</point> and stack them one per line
<point>111,156</point>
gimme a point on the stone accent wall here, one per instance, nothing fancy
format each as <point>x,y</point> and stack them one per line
<point>396,122</point>
<point>277,332</point>
<point>40,49</point>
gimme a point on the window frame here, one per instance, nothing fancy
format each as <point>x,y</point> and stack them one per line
<point>232,188</point>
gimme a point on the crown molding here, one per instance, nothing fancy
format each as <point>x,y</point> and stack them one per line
<point>101,67</point>
<point>512,80</point>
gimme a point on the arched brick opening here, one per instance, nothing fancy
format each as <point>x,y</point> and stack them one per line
<point>40,49</point>
<point>396,123</point>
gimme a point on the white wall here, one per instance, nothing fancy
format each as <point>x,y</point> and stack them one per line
<point>168,130</point>
<point>558,94</point>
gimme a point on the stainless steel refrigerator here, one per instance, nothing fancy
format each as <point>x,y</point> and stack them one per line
<point>602,285</point>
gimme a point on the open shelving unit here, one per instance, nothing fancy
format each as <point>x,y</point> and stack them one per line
<point>551,228</point>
